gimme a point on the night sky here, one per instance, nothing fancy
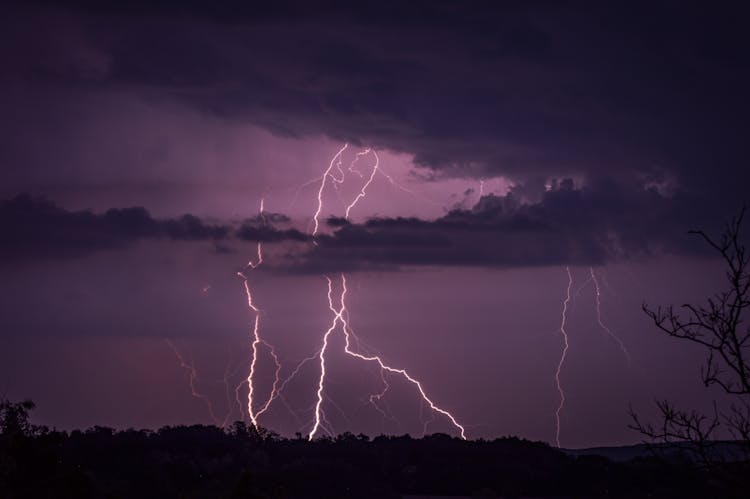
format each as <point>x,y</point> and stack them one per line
<point>506,147</point>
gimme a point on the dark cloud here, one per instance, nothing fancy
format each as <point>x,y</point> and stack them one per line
<point>523,89</point>
<point>267,233</point>
<point>336,221</point>
<point>262,228</point>
<point>34,228</point>
<point>645,107</point>
<point>590,225</point>
<point>266,218</point>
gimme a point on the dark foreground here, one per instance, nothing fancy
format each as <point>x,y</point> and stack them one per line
<point>208,462</point>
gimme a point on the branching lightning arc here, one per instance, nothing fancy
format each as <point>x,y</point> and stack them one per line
<point>257,341</point>
<point>339,318</point>
<point>599,316</point>
<point>335,174</point>
<point>193,381</point>
<point>562,356</point>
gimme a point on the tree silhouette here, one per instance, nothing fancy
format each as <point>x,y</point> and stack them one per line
<point>242,462</point>
<point>14,419</point>
<point>719,327</point>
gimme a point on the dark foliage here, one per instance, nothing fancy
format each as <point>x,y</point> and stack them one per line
<point>242,462</point>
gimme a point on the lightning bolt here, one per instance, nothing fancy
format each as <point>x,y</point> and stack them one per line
<point>339,317</point>
<point>599,316</point>
<point>238,398</point>
<point>340,314</point>
<point>337,163</point>
<point>228,373</point>
<point>257,341</point>
<point>363,191</point>
<point>262,210</point>
<point>282,385</point>
<point>336,160</point>
<point>322,358</point>
<point>411,192</point>
<point>425,422</point>
<point>193,381</point>
<point>562,357</point>
<point>376,397</point>
<point>356,159</point>
<point>255,265</point>
<point>274,386</point>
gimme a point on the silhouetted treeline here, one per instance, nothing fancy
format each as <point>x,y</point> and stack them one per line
<point>208,462</point>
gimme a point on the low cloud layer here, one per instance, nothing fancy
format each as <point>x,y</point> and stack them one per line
<point>593,225</point>
<point>590,225</point>
<point>35,228</point>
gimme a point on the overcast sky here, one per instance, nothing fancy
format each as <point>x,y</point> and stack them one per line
<point>480,150</point>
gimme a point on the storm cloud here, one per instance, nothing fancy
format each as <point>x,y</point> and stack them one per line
<point>588,225</point>
<point>591,225</point>
<point>37,228</point>
<point>521,90</point>
<point>643,108</point>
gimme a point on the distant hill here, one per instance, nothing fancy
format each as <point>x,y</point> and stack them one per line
<point>619,454</point>
<point>730,451</point>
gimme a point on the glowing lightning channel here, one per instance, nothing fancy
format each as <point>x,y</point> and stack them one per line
<point>322,357</point>
<point>336,160</point>
<point>193,379</point>
<point>376,397</point>
<point>275,386</point>
<point>562,357</point>
<point>257,341</point>
<point>339,316</point>
<point>363,192</point>
<point>277,391</point>
<point>383,366</point>
<point>354,170</point>
<point>225,379</point>
<point>599,316</point>
<point>262,210</point>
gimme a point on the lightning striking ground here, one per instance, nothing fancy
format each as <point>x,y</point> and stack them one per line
<point>193,380</point>
<point>339,318</point>
<point>599,317</point>
<point>257,341</point>
<point>322,357</point>
<point>562,357</point>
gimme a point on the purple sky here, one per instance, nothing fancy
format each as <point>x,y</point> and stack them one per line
<point>512,143</point>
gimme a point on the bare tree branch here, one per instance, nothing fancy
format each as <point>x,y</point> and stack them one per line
<point>718,327</point>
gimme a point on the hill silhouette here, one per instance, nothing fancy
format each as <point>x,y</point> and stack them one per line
<point>241,462</point>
